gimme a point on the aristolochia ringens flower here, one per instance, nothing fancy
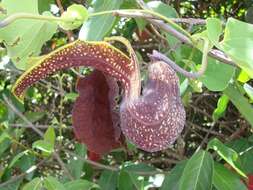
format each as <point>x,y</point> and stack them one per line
<point>152,120</point>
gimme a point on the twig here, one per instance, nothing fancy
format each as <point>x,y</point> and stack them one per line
<point>16,111</point>
<point>219,55</point>
<point>37,126</point>
<point>111,168</point>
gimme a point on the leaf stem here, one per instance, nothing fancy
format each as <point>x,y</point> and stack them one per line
<point>159,56</point>
<point>17,16</point>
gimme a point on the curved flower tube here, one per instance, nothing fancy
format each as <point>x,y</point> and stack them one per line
<point>152,120</point>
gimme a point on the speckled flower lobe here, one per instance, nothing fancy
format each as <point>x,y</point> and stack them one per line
<point>156,119</point>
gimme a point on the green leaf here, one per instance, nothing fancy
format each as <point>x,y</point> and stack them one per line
<point>77,14</point>
<point>130,180</point>
<point>3,112</point>
<point>5,142</point>
<point>108,180</point>
<point>198,172</point>
<point>243,77</point>
<point>249,90</point>
<point>80,184</point>
<point>228,154</point>
<point>217,75</point>
<point>171,181</point>
<point>51,183</point>
<point>32,117</point>
<point>49,135</point>
<point>214,30</point>
<point>35,184</point>
<point>238,44</point>
<point>71,96</point>
<point>246,161</point>
<point>17,157</point>
<point>44,146</point>
<point>26,163</point>
<point>25,37</point>
<point>223,179</point>
<point>75,165</point>
<point>221,107</point>
<point>240,102</point>
<point>97,27</point>
<point>163,9</point>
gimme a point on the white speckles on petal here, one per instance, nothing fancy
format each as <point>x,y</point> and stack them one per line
<point>154,121</point>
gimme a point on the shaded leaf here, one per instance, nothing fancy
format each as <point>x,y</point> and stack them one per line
<point>75,165</point>
<point>228,154</point>
<point>171,180</point>
<point>198,172</point>
<point>108,180</point>
<point>51,183</point>
<point>223,179</point>
<point>240,102</point>
<point>35,184</point>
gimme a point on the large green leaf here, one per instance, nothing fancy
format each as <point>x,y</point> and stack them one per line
<point>217,75</point>
<point>24,38</point>
<point>163,9</point>
<point>228,154</point>
<point>223,179</point>
<point>198,172</point>
<point>128,181</point>
<point>240,102</point>
<point>171,181</point>
<point>52,183</point>
<point>108,180</point>
<point>76,165</point>
<point>97,27</point>
<point>35,184</point>
<point>237,42</point>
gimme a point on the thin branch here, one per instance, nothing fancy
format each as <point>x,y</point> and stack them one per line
<point>39,132</point>
<point>16,111</point>
<point>111,168</point>
<point>159,56</point>
<point>16,178</point>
